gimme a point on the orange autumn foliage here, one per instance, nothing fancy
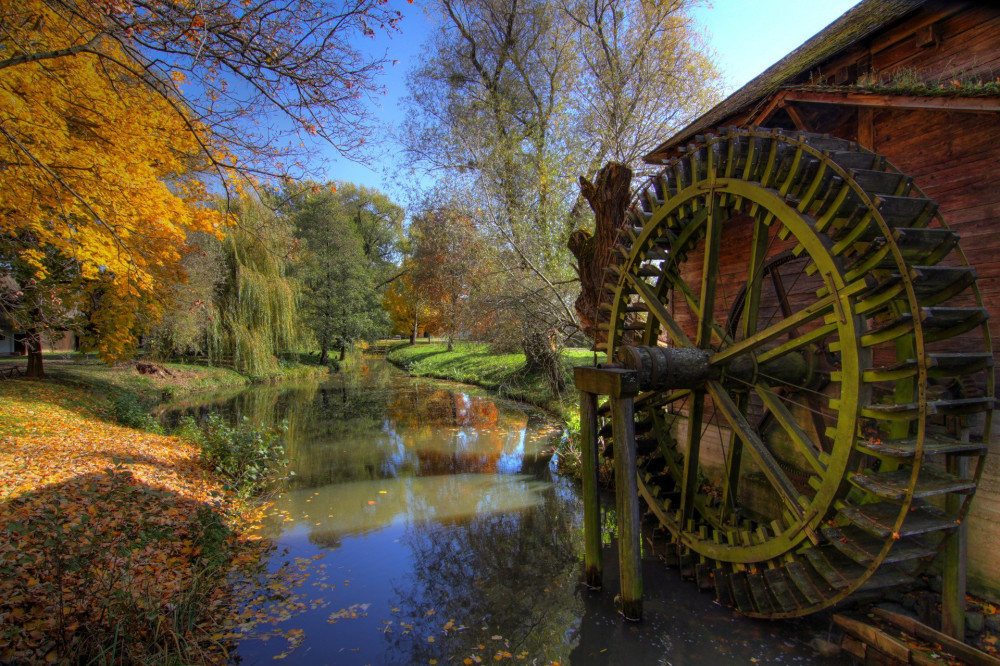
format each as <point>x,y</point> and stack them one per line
<point>100,169</point>
<point>103,531</point>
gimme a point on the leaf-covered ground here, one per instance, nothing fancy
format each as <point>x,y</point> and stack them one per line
<point>114,543</point>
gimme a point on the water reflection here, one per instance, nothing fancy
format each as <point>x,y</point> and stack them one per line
<point>357,508</point>
<point>423,523</point>
<point>377,424</point>
<point>506,582</point>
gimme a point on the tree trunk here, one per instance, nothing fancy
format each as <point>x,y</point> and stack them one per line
<point>608,197</point>
<point>542,355</point>
<point>451,343</point>
<point>322,355</point>
<point>343,350</point>
<point>413,334</point>
<point>33,344</point>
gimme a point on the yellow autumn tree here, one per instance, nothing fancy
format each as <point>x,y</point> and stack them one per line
<point>100,185</point>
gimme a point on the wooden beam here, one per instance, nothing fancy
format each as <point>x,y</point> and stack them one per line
<point>796,115</point>
<point>953,575</point>
<point>956,647</point>
<point>593,558</point>
<point>928,102</point>
<point>615,382</point>
<point>629,515</point>
<point>866,127</point>
<point>777,102</point>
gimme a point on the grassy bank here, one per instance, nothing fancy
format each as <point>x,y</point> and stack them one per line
<point>475,363</point>
<point>117,545</point>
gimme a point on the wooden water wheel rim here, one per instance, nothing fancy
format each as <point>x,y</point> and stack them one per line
<point>887,270</point>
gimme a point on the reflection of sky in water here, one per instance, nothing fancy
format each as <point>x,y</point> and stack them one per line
<point>418,506</point>
<point>364,506</point>
<point>510,461</point>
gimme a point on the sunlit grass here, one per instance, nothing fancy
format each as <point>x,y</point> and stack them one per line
<point>476,363</point>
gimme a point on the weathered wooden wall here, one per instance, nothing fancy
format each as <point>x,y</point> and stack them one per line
<point>955,159</point>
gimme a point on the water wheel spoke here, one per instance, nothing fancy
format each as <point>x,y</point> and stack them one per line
<point>690,481</point>
<point>719,334</point>
<point>709,276</point>
<point>818,309</point>
<point>734,462</point>
<point>669,324</point>
<point>758,252</point>
<point>803,443</point>
<point>758,450</point>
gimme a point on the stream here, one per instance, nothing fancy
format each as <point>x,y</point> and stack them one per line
<point>422,523</point>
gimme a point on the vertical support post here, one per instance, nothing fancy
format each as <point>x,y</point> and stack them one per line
<point>953,574</point>
<point>592,561</point>
<point>866,127</point>
<point>627,497</point>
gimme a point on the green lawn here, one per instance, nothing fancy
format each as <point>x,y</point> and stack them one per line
<point>476,363</point>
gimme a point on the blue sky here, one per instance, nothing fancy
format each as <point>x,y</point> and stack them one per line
<point>747,36</point>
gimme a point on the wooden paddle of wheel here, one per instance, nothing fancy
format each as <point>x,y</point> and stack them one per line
<point>815,367</point>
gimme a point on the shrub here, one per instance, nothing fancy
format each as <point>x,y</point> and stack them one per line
<point>128,410</point>
<point>247,455</point>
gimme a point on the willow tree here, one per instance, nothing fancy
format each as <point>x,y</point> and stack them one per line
<point>256,300</point>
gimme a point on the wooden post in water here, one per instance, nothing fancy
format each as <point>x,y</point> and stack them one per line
<point>622,385</point>
<point>627,495</point>
<point>592,560</point>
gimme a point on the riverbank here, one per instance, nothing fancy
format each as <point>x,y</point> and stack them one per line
<point>475,363</point>
<point>116,544</point>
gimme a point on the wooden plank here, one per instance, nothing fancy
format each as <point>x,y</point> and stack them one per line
<point>866,127</point>
<point>853,646</point>
<point>879,519</point>
<point>874,637</point>
<point>893,485</point>
<point>722,593</point>
<point>882,100</point>
<point>956,647</point>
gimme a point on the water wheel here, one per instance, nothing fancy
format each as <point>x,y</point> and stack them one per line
<point>815,363</point>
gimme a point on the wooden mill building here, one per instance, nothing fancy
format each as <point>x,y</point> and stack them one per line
<point>918,82</point>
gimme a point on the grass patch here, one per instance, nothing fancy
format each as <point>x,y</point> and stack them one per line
<point>475,363</point>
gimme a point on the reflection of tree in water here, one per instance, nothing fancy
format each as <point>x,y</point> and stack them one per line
<point>371,422</point>
<point>511,575</point>
<point>325,539</point>
<point>426,405</point>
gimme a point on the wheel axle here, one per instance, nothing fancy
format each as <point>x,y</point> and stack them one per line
<point>669,368</point>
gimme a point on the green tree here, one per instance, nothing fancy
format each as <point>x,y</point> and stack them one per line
<point>187,320</point>
<point>38,303</point>
<point>349,236</point>
<point>487,114</point>
<point>514,100</point>
<point>646,71</point>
